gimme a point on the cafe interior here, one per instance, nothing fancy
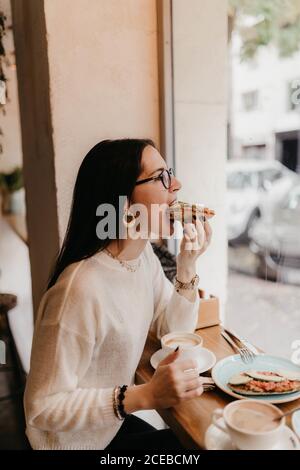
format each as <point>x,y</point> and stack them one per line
<point>76,72</point>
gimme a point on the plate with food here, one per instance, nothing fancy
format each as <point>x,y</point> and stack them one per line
<point>269,378</point>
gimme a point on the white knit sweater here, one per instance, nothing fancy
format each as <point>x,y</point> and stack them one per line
<point>90,333</point>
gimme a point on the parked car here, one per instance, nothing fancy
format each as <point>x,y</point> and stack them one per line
<point>275,239</point>
<point>253,187</point>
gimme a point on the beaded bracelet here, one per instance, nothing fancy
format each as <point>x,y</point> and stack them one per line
<point>115,407</point>
<point>120,405</point>
<point>118,396</point>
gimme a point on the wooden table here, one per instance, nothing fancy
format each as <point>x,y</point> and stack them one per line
<point>190,419</point>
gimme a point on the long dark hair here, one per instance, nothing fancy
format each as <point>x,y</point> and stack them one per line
<point>109,170</point>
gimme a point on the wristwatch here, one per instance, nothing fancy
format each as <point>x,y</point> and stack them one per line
<point>186,285</point>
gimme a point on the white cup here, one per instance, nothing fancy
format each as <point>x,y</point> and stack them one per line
<point>190,344</point>
<point>242,434</point>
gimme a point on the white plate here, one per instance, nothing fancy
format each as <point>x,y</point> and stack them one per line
<point>296,422</point>
<point>231,365</point>
<point>215,439</point>
<point>206,359</point>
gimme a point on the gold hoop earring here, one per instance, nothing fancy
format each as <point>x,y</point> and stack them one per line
<point>128,219</point>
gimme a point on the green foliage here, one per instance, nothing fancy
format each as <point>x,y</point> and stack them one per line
<point>12,181</point>
<point>275,22</point>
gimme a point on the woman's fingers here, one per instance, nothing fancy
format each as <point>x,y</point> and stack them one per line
<point>190,375</point>
<point>202,236</point>
<point>191,384</point>
<point>186,366</point>
<point>192,393</point>
<point>189,237</point>
<point>208,230</point>
<point>189,232</point>
<point>197,236</point>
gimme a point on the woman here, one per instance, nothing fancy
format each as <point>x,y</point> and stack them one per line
<point>105,294</point>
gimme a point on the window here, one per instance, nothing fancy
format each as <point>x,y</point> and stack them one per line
<point>250,100</point>
<point>256,152</point>
<point>241,180</point>
<point>271,175</point>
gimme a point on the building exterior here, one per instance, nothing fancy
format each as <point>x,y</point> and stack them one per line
<point>265,118</point>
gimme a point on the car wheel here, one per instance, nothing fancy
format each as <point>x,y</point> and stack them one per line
<point>244,237</point>
<point>264,271</point>
<point>255,215</point>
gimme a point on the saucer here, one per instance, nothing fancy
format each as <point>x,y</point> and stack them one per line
<point>206,359</point>
<point>215,439</point>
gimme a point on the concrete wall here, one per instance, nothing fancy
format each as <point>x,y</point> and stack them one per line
<point>86,71</point>
<point>200,91</point>
<point>89,71</point>
<point>10,123</point>
<point>103,79</point>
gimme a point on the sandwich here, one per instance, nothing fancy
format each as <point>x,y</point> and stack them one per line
<point>253,382</point>
<point>186,213</point>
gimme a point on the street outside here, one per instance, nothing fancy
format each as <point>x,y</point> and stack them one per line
<point>266,313</point>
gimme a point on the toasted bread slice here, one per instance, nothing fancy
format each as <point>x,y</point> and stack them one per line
<point>184,211</point>
<point>241,389</point>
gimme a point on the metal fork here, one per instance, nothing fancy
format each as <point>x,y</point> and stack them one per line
<point>245,353</point>
<point>208,388</point>
<point>242,341</point>
<point>251,352</point>
<point>208,384</point>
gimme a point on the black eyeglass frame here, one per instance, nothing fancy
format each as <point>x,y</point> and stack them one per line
<point>160,177</point>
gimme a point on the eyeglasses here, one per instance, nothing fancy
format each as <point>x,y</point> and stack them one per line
<point>164,177</point>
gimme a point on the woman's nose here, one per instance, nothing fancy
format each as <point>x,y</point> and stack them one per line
<point>175,184</point>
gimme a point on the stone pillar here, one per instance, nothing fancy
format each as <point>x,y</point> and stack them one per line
<point>37,139</point>
<point>87,70</point>
<point>200,116</point>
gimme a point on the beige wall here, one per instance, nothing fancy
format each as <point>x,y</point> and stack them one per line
<point>103,79</point>
<point>10,123</point>
<point>93,75</point>
<point>200,91</point>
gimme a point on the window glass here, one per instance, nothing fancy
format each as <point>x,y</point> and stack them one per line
<point>294,199</point>
<point>242,180</point>
<point>272,175</point>
<point>250,100</point>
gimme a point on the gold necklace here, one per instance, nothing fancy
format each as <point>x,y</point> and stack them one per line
<point>125,265</point>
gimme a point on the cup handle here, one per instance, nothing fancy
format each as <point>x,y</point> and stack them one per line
<point>218,413</point>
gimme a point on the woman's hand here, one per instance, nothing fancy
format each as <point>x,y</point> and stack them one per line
<point>173,383</point>
<point>196,238</point>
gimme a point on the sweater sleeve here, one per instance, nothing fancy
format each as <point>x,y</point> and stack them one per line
<point>61,354</point>
<point>172,311</point>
